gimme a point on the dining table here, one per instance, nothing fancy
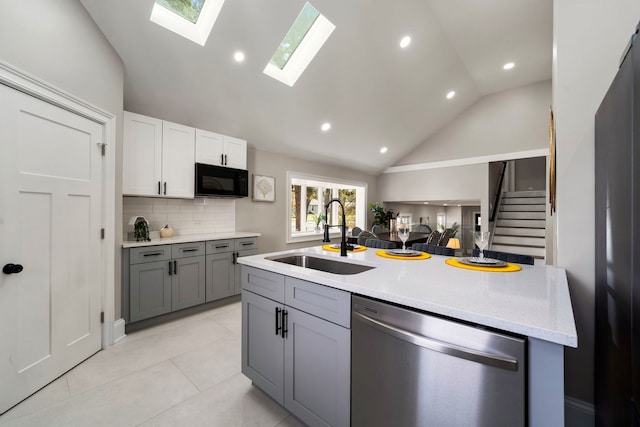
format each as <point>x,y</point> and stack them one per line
<point>413,238</point>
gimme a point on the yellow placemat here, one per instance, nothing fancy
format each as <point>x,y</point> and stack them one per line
<point>384,254</point>
<point>332,249</point>
<point>506,269</point>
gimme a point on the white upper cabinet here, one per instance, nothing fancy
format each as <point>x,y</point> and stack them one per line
<point>220,150</point>
<point>158,158</point>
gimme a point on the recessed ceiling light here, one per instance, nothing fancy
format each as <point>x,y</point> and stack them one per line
<point>444,204</point>
<point>383,150</point>
<point>426,203</point>
<point>238,56</point>
<point>325,126</point>
<point>508,65</point>
<point>451,94</point>
<point>405,41</point>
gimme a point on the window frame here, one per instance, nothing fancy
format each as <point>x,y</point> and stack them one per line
<point>361,205</point>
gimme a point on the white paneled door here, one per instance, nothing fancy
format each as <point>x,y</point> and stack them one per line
<point>50,220</point>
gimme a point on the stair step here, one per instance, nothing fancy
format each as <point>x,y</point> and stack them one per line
<point>522,215</point>
<point>519,240</point>
<point>523,208</point>
<point>522,250</point>
<point>524,223</point>
<point>534,193</point>
<point>513,231</point>
<point>524,201</point>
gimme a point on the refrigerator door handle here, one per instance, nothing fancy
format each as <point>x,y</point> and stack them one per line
<point>440,346</point>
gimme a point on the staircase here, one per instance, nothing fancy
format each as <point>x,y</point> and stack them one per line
<point>520,226</point>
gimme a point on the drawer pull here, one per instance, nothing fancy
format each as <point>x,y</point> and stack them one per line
<point>222,246</point>
<point>152,254</point>
<point>190,250</point>
<point>247,243</point>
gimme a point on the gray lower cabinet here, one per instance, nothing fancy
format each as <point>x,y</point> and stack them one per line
<point>298,358</point>
<point>165,278</point>
<point>223,270</point>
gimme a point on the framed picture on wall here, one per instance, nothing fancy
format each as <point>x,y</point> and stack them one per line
<point>264,188</point>
<point>441,222</point>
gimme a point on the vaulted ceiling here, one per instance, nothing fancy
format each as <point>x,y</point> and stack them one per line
<point>373,93</point>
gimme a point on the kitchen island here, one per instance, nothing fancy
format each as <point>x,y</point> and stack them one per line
<point>533,303</point>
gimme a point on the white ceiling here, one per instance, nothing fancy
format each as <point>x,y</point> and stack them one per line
<point>373,93</point>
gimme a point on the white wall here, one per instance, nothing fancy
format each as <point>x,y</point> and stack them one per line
<point>58,42</point>
<point>270,218</point>
<point>589,37</point>
<point>504,122</point>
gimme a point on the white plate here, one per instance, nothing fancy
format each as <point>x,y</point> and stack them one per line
<point>482,262</point>
<point>401,252</point>
<point>337,246</point>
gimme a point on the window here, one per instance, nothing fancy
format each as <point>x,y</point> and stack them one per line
<point>300,45</point>
<point>307,198</point>
<point>191,19</point>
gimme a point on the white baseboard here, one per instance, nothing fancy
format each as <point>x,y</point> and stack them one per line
<point>578,413</point>
<point>118,330</point>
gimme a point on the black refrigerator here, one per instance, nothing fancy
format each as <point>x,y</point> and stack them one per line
<point>617,247</point>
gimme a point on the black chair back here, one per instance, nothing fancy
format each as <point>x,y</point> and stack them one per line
<point>380,244</point>
<point>434,238</point>
<point>423,228</point>
<point>444,238</point>
<point>355,231</point>
<point>433,249</point>
<point>506,256</point>
<point>364,235</point>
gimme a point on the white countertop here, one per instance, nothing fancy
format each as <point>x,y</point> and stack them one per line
<point>190,238</point>
<point>534,301</point>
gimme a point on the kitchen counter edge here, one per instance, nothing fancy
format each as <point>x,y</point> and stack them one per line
<point>187,238</point>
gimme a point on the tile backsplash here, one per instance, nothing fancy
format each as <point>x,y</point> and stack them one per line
<point>197,216</point>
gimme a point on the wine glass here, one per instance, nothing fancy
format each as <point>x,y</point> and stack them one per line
<point>403,230</point>
<point>481,239</point>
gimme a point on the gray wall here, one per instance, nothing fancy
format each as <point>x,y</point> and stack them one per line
<point>270,218</point>
<point>505,122</point>
<point>530,174</point>
<point>589,37</point>
<point>58,42</point>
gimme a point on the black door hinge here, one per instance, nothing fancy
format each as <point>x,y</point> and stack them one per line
<point>102,317</point>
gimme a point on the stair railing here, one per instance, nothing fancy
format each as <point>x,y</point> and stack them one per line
<point>497,201</point>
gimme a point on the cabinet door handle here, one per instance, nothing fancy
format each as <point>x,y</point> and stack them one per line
<point>158,187</point>
<point>225,160</point>
<point>285,314</point>
<point>175,267</point>
<point>170,268</point>
<point>165,188</point>
<point>277,323</point>
<point>222,159</point>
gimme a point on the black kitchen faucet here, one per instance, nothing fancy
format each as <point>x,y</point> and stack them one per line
<point>343,243</point>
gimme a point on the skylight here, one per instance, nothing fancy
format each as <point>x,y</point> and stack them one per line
<point>191,19</point>
<point>300,45</point>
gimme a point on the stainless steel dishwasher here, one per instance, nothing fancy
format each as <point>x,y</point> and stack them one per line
<point>414,369</point>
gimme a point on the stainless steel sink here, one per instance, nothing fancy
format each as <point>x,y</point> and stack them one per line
<point>321,264</point>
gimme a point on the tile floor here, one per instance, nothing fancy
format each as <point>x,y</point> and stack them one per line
<point>181,373</point>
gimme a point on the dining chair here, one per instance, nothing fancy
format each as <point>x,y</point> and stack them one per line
<point>433,249</point>
<point>380,244</point>
<point>423,228</point>
<point>444,238</point>
<point>434,238</point>
<point>506,256</point>
<point>364,235</point>
<point>355,231</point>
<point>377,229</point>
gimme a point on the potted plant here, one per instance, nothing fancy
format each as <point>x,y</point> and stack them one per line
<point>380,215</point>
<point>318,218</point>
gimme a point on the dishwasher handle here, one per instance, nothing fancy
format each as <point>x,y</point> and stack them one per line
<point>440,346</point>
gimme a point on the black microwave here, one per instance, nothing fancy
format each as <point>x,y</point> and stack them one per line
<point>218,181</point>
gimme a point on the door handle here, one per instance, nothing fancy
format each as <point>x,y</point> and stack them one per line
<point>277,323</point>
<point>170,268</point>
<point>165,188</point>
<point>12,268</point>
<point>175,267</point>
<point>222,159</point>
<point>285,315</point>
<point>225,160</point>
<point>158,187</point>
<point>235,258</point>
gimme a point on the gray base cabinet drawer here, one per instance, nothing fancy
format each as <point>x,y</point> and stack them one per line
<point>218,246</point>
<point>183,250</point>
<point>265,283</point>
<point>248,243</point>
<point>149,254</point>
<point>327,303</point>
